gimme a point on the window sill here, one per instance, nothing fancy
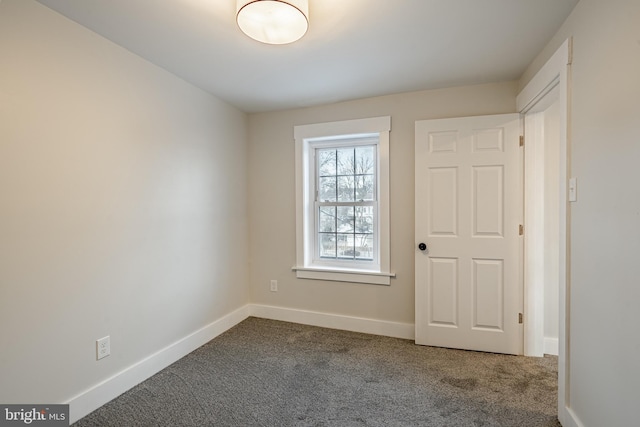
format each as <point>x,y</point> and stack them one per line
<point>336,275</point>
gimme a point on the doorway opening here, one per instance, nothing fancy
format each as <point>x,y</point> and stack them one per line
<point>542,206</point>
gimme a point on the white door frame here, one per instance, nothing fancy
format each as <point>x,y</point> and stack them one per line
<point>555,73</point>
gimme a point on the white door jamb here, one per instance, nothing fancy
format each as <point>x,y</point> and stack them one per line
<point>556,72</point>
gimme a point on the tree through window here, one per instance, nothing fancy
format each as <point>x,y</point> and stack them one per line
<point>346,198</point>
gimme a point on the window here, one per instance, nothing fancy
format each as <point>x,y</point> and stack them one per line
<point>345,201</point>
<point>342,197</point>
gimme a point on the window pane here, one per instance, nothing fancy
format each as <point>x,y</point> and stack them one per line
<point>364,219</point>
<point>346,175</point>
<point>346,219</point>
<point>327,190</point>
<point>327,220</point>
<point>345,246</point>
<point>346,187</point>
<point>364,246</point>
<point>327,162</point>
<point>365,187</point>
<point>327,245</point>
<point>365,161</point>
<point>346,161</point>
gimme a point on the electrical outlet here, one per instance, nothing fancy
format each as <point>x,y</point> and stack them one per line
<point>274,286</point>
<point>103,347</point>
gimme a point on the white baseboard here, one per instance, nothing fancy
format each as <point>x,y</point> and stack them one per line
<point>335,321</point>
<point>551,346</point>
<point>96,396</point>
<point>570,419</point>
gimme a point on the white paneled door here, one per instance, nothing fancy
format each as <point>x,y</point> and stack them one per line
<point>469,209</point>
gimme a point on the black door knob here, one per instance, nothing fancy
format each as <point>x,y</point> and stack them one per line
<point>422,247</point>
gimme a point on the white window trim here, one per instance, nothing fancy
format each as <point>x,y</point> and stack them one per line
<point>304,136</point>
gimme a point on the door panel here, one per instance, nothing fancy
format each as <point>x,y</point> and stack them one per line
<point>443,283</point>
<point>488,201</point>
<point>443,216</point>
<point>468,211</point>
<point>488,294</point>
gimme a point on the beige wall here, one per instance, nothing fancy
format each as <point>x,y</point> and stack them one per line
<point>605,221</point>
<point>122,206</point>
<point>272,198</point>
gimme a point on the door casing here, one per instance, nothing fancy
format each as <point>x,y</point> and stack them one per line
<point>556,73</point>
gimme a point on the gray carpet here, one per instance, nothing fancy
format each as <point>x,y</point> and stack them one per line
<point>269,373</point>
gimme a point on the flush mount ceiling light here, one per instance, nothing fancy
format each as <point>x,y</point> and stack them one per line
<point>273,21</point>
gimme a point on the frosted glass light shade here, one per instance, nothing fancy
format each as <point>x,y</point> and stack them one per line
<point>273,21</point>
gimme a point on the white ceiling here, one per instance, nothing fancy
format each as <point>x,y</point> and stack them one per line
<point>353,49</point>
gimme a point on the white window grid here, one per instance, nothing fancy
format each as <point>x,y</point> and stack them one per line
<point>355,256</point>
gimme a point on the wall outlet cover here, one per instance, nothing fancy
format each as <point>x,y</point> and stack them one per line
<point>103,347</point>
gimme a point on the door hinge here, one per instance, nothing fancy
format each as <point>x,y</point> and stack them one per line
<point>521,140</point>
<point>520,319</point>
<point>521,230</point>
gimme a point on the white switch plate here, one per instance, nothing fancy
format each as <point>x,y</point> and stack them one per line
<point>103,347</point>
<point>573,189</point>
<point>274,286</point>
